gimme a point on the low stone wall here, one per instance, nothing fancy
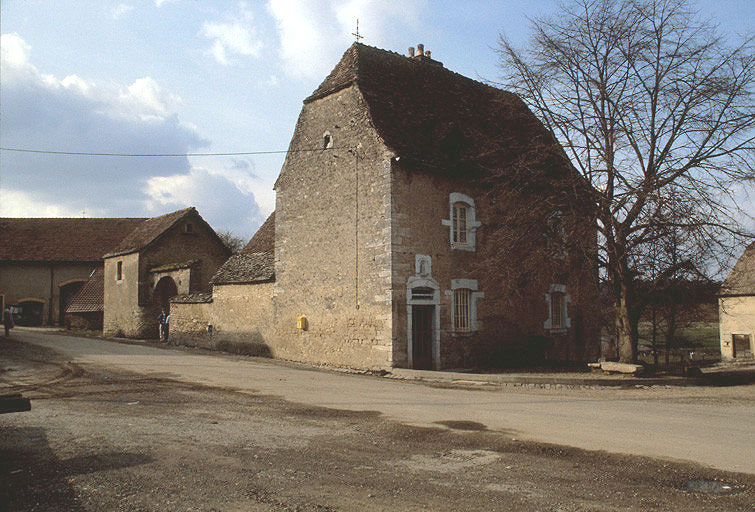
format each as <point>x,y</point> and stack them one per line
<point>240,316</point>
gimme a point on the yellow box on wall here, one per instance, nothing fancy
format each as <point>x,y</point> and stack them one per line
<point>301,322</point>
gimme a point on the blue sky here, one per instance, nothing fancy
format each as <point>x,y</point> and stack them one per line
<point>183,76</point>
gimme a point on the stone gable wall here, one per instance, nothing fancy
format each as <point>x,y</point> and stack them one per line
<point>333,239</point>
<point>122,315</point>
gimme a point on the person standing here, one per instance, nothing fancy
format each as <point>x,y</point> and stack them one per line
<point>8,320</point>
<point>162,321</point>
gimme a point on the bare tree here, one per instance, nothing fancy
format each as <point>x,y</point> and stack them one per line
<point>233,242</point>
<point>655,110</point>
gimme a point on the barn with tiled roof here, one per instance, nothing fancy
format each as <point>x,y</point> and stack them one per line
<point>736,301</point>
<point>44,261</point>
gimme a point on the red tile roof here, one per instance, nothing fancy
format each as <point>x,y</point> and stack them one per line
<point>90,297</point>
<point>149,230</point>
<point>61,239</point>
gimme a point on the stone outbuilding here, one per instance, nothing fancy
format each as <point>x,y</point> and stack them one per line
<point>423,220</point>
<point>45,261</point>
<point>736,303</point>
<point>162,257</point>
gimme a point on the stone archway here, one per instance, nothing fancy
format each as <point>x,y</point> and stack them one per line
<point>165,289</point>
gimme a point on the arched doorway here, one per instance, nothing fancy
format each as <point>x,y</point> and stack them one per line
<point>30,312</point>
<point>67,292</point>
<point>164,290</point>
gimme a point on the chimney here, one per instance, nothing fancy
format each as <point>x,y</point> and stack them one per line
<point>420,49</point>
<point>411,51</point>
<point>427,54</point>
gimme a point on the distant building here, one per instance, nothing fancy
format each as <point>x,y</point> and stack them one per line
<point>45,261</point>
<point>162,257</point>
<point>736,302</point>
<point>387,231</point>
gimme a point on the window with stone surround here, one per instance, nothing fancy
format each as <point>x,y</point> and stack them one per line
<point>464,296</point>
<point>558,313</point>
<point>461,222</point>
<point>462,320</point>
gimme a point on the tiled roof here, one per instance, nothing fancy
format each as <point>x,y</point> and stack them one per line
<point>264,239</point>
<point>246,267</point>
<point>59,239</point>
<point>150,230</point>
<point>741,279</point>
<point>433,118</point>
<point>90,298</point>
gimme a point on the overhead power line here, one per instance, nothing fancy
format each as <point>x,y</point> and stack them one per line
<point>240,153</point>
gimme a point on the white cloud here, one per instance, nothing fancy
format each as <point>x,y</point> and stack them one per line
<point>13,50</point>
<point>221,208</point>
<point>16,203</point>
<point>314,33</point>
<point>160,3</point>
<point>74,113</point>
<point>121,10</point>
<point>232,38</point>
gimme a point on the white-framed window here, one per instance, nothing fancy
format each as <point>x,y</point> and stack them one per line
<point>464,296</point>
<point>462,317</point>
<point>461,221</point>
<point>558,309</point>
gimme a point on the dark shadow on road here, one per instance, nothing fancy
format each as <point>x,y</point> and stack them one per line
<point>32,477</point>
<point>463,425</point>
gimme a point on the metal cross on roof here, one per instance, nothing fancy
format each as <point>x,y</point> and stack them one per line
<point>356,34</point>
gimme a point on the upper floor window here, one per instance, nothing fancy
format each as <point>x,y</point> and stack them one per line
<point>119,271</point>
<point>327,140</point>
<point>462,223</point>
<point>460,232</point>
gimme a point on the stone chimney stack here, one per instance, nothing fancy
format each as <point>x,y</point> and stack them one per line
<point>427,54</point>
<point>420,49</point>
<point>411,51</point>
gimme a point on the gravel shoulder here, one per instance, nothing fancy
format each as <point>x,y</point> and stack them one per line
<point>100,438</point>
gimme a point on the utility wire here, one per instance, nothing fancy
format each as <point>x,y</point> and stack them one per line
<point>241,153</point>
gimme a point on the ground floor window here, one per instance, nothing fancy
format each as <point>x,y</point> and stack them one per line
<point>462,319</point>
<point>558,320</point>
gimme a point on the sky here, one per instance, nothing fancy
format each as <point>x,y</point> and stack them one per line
<point>201,76</point>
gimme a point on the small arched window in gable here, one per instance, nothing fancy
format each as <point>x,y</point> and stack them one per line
<point>327,140</point>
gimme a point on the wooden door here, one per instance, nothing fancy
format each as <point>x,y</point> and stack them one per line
<point>741,345</point>
<point>422,337</point>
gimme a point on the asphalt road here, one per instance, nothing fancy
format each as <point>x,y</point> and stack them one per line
<point>128,428</point>
<point>710,426</point>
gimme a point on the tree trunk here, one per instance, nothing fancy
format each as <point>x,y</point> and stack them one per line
<point>624,331</point>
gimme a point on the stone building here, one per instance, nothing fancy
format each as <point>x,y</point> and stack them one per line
<point>395,243</point>
<point>162,257</point>
<point>44,262</point>
<point>736,302</point>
